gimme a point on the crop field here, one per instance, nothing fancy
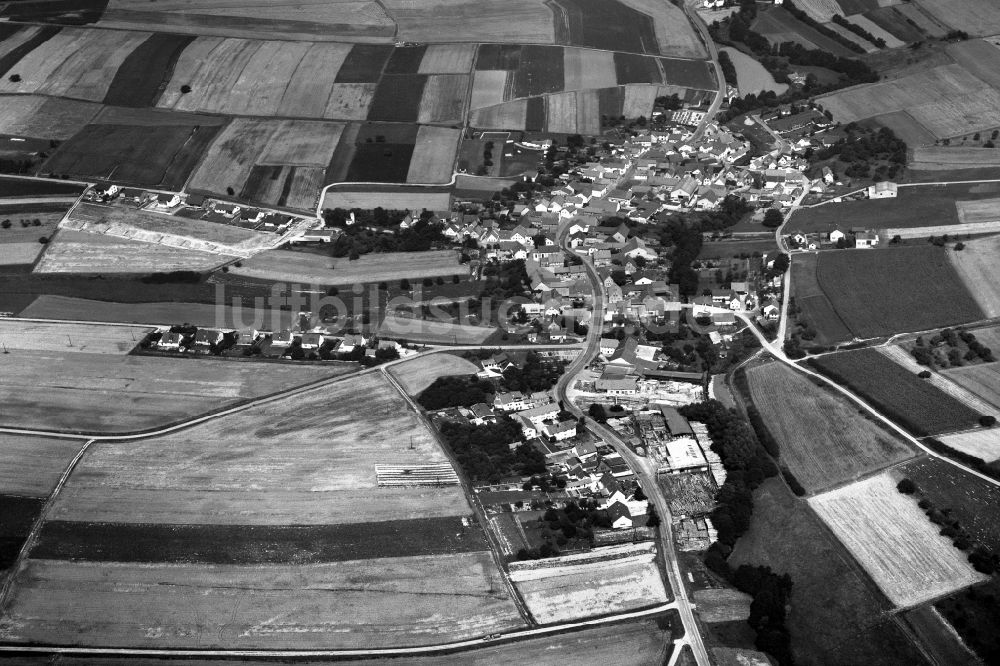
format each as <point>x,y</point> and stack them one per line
<point>947,100</point>
<point>17,254</point>
<point>603,581</point>
<point>981,380</point>
<point>780,26</point>
<point>843,623</point>
<point>821,11</point>
<point>585,68</point>
<point>66,390</point>
<point>521,21</point>
<point>905,127</point>
<point>377,602</point>
<point>983,444</point>
<point>44,117</point>
<point>722,605</point>
<point>146,71</point>
<point>688,494</point>
<point>32,336</point>
<point>433,332</point>
<point>822,438</point>
<point>308,459</point>
<point>976,265</point>
<point>905,289</point>
<point>415,199</point>
<point>976,17</point>
<point>82,252</point>
<point>922,19</point>
<point>447,59</point>
<point>434,152</point>
<point>133,148</point>
<point>979,57</point>
<point>940,158</point>
<point>397,98</point>
<point>897,392</point>
<point>815,308</point>
<point>891,41</point>
<point>893,21</point>
<point>444,98</point>
<point>417,374</point>
<point>31,466</point>
<point>510,115</point>
<point>939,379</point>
<point>894,541</point>
<point>284,265</point>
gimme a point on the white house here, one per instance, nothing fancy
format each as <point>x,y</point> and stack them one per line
<point>883,190</point>
<point>866,239</point>
<point>836,235</point>
<point>560,431</point>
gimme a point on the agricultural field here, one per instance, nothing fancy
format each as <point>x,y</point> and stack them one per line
<point>722,605</point>
<point>434,153</point>
<point>982,444</point>
<point>814,307</point>
<point>946,158</point>
<point>897,392</point>
<point>142,147</point>
<point>976,17</point>
<point>63,389</point>
<point>939,380</point>
<point>842,623</point>
<point>821,11</point>
<point>821,437</point>
<point>433,332</point>
<point>307,268</point>
<point>520,21</point>
<point>894,541</point>
<point>606,580</point>
<point>44,117</point>
<point>417,374</point>
<point>402,199</point>
<point>31,466</point>
<point>948,101</point>
<point>911,288</point>
<point>82,252</point>
<point>58,192</point>
<point>976,265</point>
<point>780,26</point>
<point>34,336</point>
<point>751,75</point>
<point>979,57</point>
<point>980,380</point>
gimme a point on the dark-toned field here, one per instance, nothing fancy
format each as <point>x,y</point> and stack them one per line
<point>381,153</point>
<point>397,98</point>
<point>17,515</point>
<point>688,73</point>
<point>498,56</point>
<point>406,60</point>
<point>364,64</point>
<point>534,120</point>
<point>540,71</point>
<point>814,307</point>
<point>919,406</point>
<point>63,12</point>
<point>604,24</point>
<point>19,187</point>
<point>632,68</point>
<point>146,71</point>
<point>915,207</point>
<point>895,290</point>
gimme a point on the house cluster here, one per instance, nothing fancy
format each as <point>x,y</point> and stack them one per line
<point>628,367</point>
<point>856,237</point>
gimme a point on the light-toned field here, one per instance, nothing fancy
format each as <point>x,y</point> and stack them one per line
<point>587,68</point>
<point>588,112</point>
<point>906,128</point>
<point>488,88</point>
<point>983,444</point>
<point>639,101</point>
<point>981,380</point>
<point>560,112</point>
<point>353,604</point>
<point>980,210</point>
<point>44,117</point>
<point>976,17</point>
<point>317,269</point>
<point>433,159</point>
<point>820,10</point>
<point>939,380</point>
<point>303,460</point>
<point>751,75</point>
<point>444,97</point>
<point>302,143</point>
<point>233,154</point>
<point>894,541</point>
<point>62,390</point>
<point>18,39</point>
<point>674,33</point>
<point>417,374</point>
<point>77,62</point>
<point>891,41</point>
<point>448,59</point>
<point>976,265</point>
<point>947,157</point>
<point>409,200</point>
<point>603,581</point>
<point>980,57</point>
<point>12,254</point>
<point>822,439</point>
<point>157,223</point>
<point>20,335</point>
<point>506,116</point>
<point>31,466</point>
<point>432,332</point>
<point>308,88</point>
<point>947,100</point>
<point>722,605</point>
<point>350,101</point>
<point>522,21</point>
<point>48,306</point>
<point>82,252</point>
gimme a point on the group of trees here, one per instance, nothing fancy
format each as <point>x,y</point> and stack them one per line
<point>931,355</point>
<point>377,230</point>
<point>771,593</point>
<point>861,148</point>
<point>536,374</point>
<point>6,224</point>
<point>858,30</point>
<point>503,281</point>
<point>484,451</point>
<point>455,391</point>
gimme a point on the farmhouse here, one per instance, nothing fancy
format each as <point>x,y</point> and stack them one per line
<point>620,516</point>
<point>866,239</point>
<point>883,190</point>
<point>560,431</point>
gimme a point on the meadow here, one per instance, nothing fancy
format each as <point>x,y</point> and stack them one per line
<point>417,374</point>
<point>822,438</point>
<point>894,541</point>
<point>308,268</point>
<point>751,76</point>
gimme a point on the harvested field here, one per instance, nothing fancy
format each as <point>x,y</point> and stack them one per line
<point>448,59</point>
<point>599,582</point>
<point>31,466</point>
<point>897,392</point>
<point>16,254</point>
<point>674,33</point>
<point>821,11</point>
<point>822,438</point>
<point>586,68</point>
<point>444,98</point>
<point>32,336</point>
<point>814,307</point>
<point>66,390</point>
<point>947,100</point>
<point>639,101</point>
<point>319,450</point>
<point>507,116</point>
<point>409,199</point>
<point>43,117</point>
<point>977,212</point>
<point>751,75</point>
<point>983,444</point>
<point>905,289</point>
<point>894,541</point>
<point>829,624</point>
<point>146,71</point>
<point>417,374</point>
<point>722,605</point>
<point>350,101</point>
<point>433,159</point>
<point>521,21</point>
<point>433,332</point>
<point>82,252</point>
<point>688,494</point>
<point>976,265</point>
<point>381,602</point>
<point>976,17</point>
<point>308,92</point>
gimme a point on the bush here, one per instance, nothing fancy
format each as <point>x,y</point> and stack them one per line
<point>924,374</point>
<point>906,486</point>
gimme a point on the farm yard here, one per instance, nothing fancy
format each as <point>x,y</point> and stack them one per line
<point>417,374</point>
<point>606,580</point>
<point>432,332</point>
<point>894,541</point>
<point>82,252</point>
<point>897,392</point>
<point>308,268</point>
<point>822,438</point>
<point>976,265</point>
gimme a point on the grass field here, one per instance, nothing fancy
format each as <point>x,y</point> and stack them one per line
<point>822,438</point>
<point>815,308</point>
<point>415,199</point>
<point>894,541</point>
<point>940,158</point>
<point>897,392</point>
<point>911,288</point>
<point>303,460</point>
<point>317,269</point>
<point>82,252</point>
<point>607,580</point>
<point>433,332</point>
<point>19,335</point>
<point>751,76</point>
<point>417,374</point>
<point>31,466</point>
<point>60,389</point>
<point>829,624</point>
<point>915,207</point>
<point>44,117</point>
<point>976,266</point>
<point>15,254</point>
<point>361,603</point>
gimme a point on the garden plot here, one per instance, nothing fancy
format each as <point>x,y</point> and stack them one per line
<point>976,265</point>
<point>603,581</point>
<point>894,541</point>
<point>82,252</point>
<point>31,466</point>
<point>417,374</point>
<point>42,117</point>
<point>22,335</point>
<point>306,268</point>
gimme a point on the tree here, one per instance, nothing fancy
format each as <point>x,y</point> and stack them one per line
<point>230,191</point>
<point>14,78</point>
<point>773,218</point>
<point>924,374</point>
<point>185,89</point>
<point>906,486</point>
<point>5,224</point>
<point>43,240</point>
<point>652,520</point>
<point>404,284</point>
<point>987,421</point>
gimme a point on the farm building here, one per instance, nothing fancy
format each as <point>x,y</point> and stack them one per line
<point>883,190</point>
